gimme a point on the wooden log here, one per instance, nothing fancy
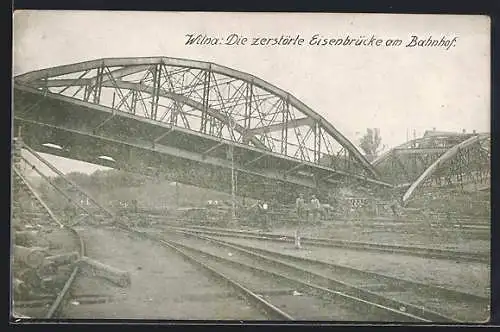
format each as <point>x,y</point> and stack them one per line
<point>20,288</point>
<point>32,257</point>
<point>32,303</point>
<point>62,259</point>
<point>47,268</point>
<point>29,276</point>
<point>46,302</point>
<point>107,272</point>
<point>29,239</point>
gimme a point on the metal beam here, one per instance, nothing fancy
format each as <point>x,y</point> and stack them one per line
<point>59,190</point>
<point>255,160</point>
<point>214,68</point>
<point>294,168</point>
<point>115,74</point>
<point>163,135</point>
<point>407,145</point>
<point>402,166</point>
<point>108,110</point>
<point>37,197</point>
<point>451,153</point>
<point>280,126</point>
<point>103,123</point>
<point>71,183</point>
<point>328,177</point>
<point>213,148</point>
<point>178,153</point>
<point>62,82</point>
<point>419,151</point>
<point>119,73</point>
<point>185,100</point>
<point>132,117</point>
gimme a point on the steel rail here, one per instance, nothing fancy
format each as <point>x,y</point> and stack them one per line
<point>431,288</point>
<point>268,308</point>
<point>56,306</point>
<point>352,245</point>
<point>314,288</point>
<point>356,291</point>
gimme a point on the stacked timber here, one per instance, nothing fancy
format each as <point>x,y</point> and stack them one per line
<point>39,262</point>
<point>44,254</point>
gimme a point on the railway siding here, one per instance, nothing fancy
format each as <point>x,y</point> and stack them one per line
<point>421,298</point>
<point>466,277</point>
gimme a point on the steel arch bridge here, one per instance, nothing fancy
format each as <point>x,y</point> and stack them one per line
<point>438,159</point>
<point>196,120</point>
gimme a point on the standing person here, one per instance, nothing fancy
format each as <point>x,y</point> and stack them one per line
<point>263,207</point>
<point>315,207</point>
<point>300,207</point>
<point>394,207</point>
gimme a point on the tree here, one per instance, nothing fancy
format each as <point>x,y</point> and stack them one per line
<point>370,143</point>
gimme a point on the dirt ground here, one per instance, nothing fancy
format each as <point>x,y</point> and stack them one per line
<point>163,285</point>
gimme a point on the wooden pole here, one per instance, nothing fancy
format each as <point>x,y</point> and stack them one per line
<point>47,302</point>
<point>62,259</point>
<point>107,272</point>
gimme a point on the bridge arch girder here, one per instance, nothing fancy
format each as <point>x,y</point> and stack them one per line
<point>208,98</point>
<point>403,164</point>
<point>461,169</point>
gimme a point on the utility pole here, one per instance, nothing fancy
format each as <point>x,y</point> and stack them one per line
<point>233,191</point>
<point>176,194</point>
<point>233,178</point>
<point>17,149</point>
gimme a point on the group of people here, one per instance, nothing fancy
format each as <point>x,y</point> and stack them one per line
<point>306,212</point>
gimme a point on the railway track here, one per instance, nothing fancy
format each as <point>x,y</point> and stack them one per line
<point>282,296</point>
<point>432,302</point>
<point>291,288</point>
<point>267,309</point>
<point>462,256</point>
<point>63,295</point>
<point>479,225</point>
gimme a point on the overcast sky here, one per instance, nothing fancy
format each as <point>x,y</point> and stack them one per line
<point>396,89</point>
